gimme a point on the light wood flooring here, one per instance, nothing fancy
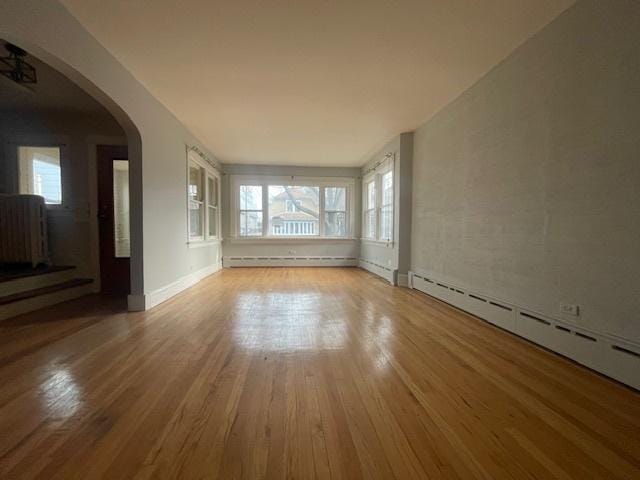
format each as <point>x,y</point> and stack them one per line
<point>299,373</point>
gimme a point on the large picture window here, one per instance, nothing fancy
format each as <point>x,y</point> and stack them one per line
<point>294,210</point>
<point>268,207</point>
<point>203,199</point>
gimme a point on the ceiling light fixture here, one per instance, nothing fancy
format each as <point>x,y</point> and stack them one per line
<point>15,67</point>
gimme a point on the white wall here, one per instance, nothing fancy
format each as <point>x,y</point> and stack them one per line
<point>392,260</point>
<point>288,247</point>
<point>526,188</point>
<point>157,140</point>
<point>70,233</point>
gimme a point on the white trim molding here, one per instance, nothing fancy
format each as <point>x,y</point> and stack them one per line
<point>612,356</point>
<point>138,303</point>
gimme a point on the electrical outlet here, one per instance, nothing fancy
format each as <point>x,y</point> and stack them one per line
<point>568,309</point>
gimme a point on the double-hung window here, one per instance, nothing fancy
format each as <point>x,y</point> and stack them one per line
<point>250,210</point>
<point>377,211</point>
<point>40,172</point>
<point>370,214</point>
<point>275,207</point>
<point>386,207</point>
<point>203,199</point>
<point>335,211</point>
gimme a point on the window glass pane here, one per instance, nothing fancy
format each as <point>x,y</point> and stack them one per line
<point>250,224</point>
<point>370,223</point>
<point>335,224</point>
<point>386,222</point>
<point>195,183</point>
<point>212,189</point>
<point>371,194</point>
<point>250,197</point>
<point>335,199</point>
<point>195,219</point>
<point>387,188</point>
<point>40,173</point>
<point>121,234</point>
<point>294,210</point>
<point>213,221</point>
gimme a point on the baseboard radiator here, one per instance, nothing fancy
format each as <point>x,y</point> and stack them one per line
<point>389,274</point>
<point>23,229</point>
<point>289,261</point>
<point>611,356</point>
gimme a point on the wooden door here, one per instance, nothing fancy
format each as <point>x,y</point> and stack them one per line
<point>113,218</point>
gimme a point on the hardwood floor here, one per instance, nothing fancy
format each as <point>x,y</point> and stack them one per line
<point>299,373</point>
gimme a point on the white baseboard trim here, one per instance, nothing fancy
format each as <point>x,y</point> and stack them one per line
<point>139,303</point>
<point>615,357</point>
<point>289,261</point>
<point>390,275</point>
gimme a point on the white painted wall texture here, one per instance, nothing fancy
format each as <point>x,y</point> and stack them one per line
<point>527,187</point>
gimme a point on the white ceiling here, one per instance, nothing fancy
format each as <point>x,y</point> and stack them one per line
<point>309,82</point>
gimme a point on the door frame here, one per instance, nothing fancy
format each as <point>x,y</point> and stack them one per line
<point>94,228</point>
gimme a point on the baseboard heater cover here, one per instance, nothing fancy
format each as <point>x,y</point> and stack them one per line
<point>611,356</point>
<point>289,261</point>
<point>387,273</point>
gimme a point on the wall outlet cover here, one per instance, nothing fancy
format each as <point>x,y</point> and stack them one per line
<point>569,309</point>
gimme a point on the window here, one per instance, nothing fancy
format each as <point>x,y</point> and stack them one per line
<point>203,200</point>
<point>121,231</point>
<point>308,207</point>
<point>294,210</point>
<point>250,210</point>
<point>212,205</point>
<point>377,212</point>
<point>335,211</point>
<point>370,210</point>
<point>196,196</point>
<point>386,208</point>
<point>40,173</point>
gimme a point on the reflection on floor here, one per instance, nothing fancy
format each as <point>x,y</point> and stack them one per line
<point>299,373</point>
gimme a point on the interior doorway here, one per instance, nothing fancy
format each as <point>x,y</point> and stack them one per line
<point>113,218</point>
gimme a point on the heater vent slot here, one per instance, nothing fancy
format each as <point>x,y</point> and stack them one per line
<point>443,286</point>
<point>478,298</point>
<point>539,320</point>
<point>626,350</point>
<point>427,280</point>
<point>458,291</point>
<point>504,307</point>
<point>563,329</point>
<point>586,337</point>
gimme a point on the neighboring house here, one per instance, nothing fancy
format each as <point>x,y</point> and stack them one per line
<point>294,211</point>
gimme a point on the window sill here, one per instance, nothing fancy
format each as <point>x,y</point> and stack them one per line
<point>289,240</point>
<point>380,243</point>
<point>203,243</point>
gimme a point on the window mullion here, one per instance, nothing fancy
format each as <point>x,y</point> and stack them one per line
<point>321,213</point>
<point>265,210</point>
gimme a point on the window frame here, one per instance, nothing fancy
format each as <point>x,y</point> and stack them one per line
<point>37,142</point>
<point>207,171</point>
<point>374,175</point>
<point>252,210</point>
<point>265,181</point>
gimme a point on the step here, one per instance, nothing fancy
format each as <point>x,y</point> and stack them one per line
<point>34,299</point>
<point>36,278</point>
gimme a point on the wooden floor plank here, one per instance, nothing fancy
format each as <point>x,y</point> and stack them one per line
<point>299,373</point>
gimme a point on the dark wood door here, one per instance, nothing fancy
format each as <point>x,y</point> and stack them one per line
<point>113,218</point>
